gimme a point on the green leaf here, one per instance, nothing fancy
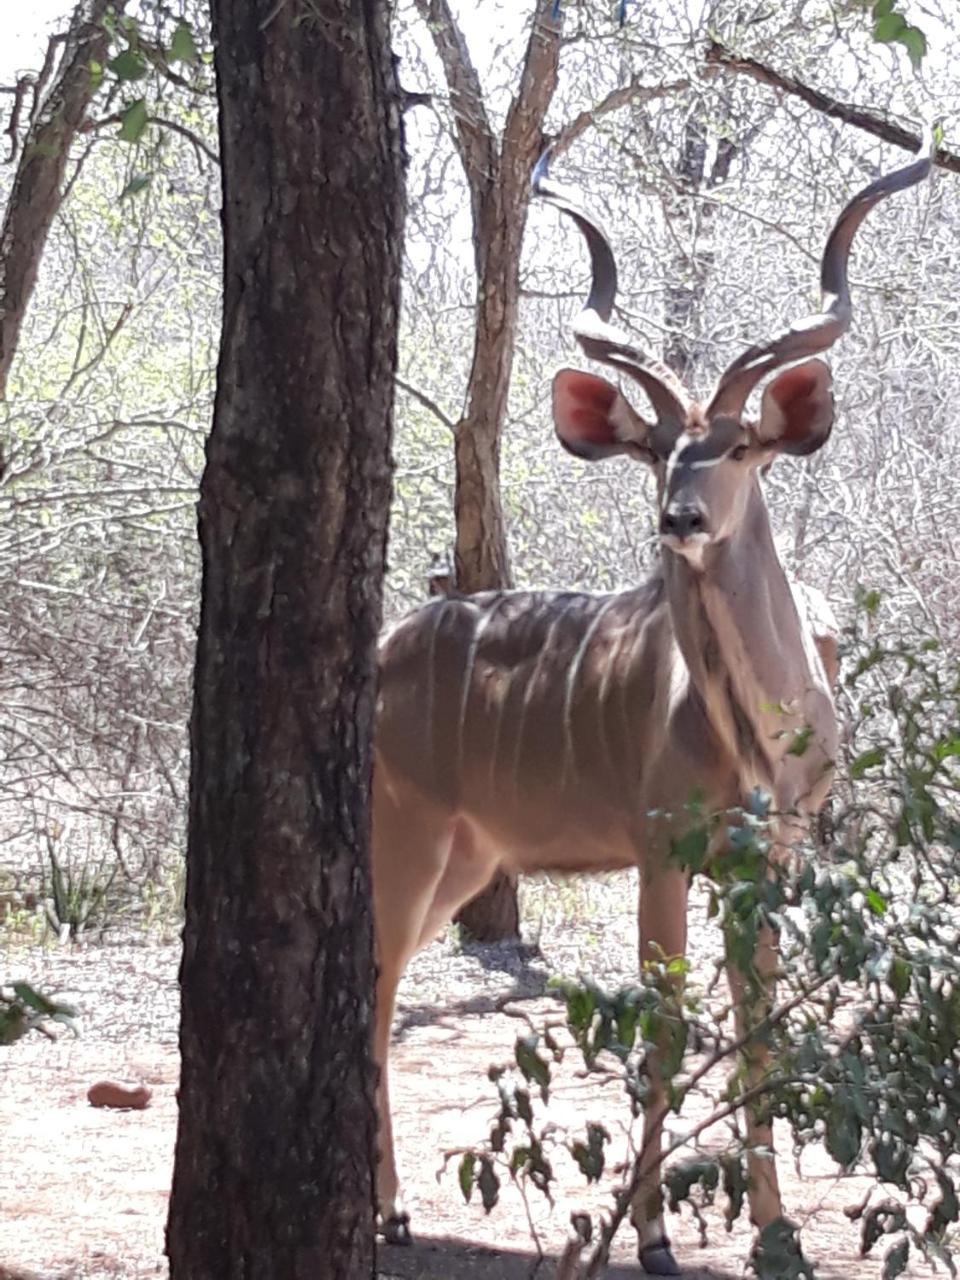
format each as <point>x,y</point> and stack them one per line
<point>96,75</point>
<point>734,1186</point>
<point>947,1208</point>
<point>580,1002</point>
<point>777,1254</point>
<point>625,1024</point>
<point>129,65</point>
<point>915,43</point>
<point>465,1175</point>
<point>876,902</point>
<point>521,1099</point>
<point>690,849</point>
<point>882,8</point>
<point>889,27</point>
<point>680,1179</point>
<point>869,601</point>
<point>842,1138</point>
<point>489,1183</point>
<point>896,1260</point>
<point>139,182</point>
<point>183,47</point>
<point>589,1155</point>
<point>891,1158</point>
<point>867,760</point>
<point>532,1065</point>
<point>34,1000</point>
<point>134,121</point>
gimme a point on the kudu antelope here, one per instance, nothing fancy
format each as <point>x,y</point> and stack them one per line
<point>562,731</point>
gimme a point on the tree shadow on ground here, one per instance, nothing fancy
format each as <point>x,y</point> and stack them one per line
<point>425,1015</point>
<point>448,1258</point>
<point>513,956</point>
<point>523,963</point>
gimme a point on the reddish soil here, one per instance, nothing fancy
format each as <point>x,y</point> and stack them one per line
<point>83,1191</point>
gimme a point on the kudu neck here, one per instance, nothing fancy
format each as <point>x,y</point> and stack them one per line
<point>747,652</point>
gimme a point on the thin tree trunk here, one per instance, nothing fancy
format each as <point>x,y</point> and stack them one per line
<point>500,214</point>
<point>36,194</point>
<point>275,1147</point>
<point>498,174</point>
<point>683,350</point>
<point>482,557</point>
<point>685,291</point>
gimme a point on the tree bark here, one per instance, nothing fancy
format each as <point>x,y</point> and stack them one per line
<point>36,194</point>
<point>275,1146</point>
<point>498,175</point>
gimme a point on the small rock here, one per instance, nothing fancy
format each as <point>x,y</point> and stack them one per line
<point>124,1097</point>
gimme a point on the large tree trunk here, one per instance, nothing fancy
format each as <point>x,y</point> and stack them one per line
<point>276,1140</point>
<point>36,193</point>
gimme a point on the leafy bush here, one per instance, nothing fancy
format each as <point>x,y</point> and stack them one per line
<point>865,1035</point>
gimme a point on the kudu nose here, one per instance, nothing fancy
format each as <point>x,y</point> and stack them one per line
<point>682,519</point>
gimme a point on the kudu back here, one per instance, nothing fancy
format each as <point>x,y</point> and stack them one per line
<point>566,731</point>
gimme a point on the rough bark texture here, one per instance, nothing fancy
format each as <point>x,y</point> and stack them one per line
<point>498,175</point>
<point>36,194</point>
<point>276,1139</point>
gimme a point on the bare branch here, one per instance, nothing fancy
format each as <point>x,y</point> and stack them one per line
<point>196,141</point>
<point>427,403</point>
<point>474,134</point>
<point>19,91</point>
<point>718,55</point>
<point>634,91</point>
<point>162,122</point>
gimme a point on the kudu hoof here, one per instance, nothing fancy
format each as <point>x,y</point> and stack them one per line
<point>396,1229</point>
<point>657,1259</point>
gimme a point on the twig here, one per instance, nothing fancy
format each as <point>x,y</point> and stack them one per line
<point>427,403</point>
<point>635,91</point>
<point>600,1255</point>
<point>189,134</point>
<point>718,55</point>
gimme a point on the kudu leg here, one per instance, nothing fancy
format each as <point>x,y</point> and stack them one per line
<point>663,931</point>
<point>394,1221</point>
<point>410,848</point>
<point>468,869</point>
<point>752,1002</point>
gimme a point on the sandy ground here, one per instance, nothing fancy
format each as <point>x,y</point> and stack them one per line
<point>83,1192</point>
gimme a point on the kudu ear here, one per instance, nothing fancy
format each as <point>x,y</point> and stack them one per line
<point>796,412</point>
<point>592,418</point>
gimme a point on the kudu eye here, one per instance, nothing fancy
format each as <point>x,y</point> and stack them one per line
<point>739,453</point>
